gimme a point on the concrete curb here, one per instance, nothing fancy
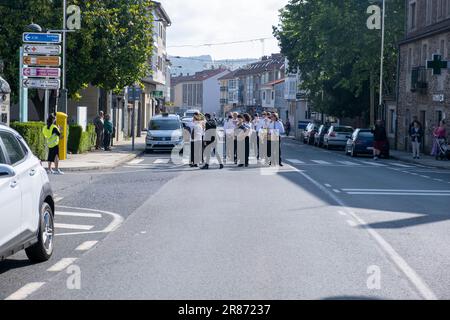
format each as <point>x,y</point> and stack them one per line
<point>104,167</point>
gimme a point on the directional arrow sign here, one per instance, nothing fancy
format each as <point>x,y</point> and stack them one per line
<point>42,49</point>
<point>42,72</point>
<point>42,61</point>
<point>51,84</point>
<point>42,37</point>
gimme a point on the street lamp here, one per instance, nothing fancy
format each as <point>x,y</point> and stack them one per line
<point>34,27</point>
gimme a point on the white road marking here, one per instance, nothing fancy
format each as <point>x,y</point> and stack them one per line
<point>336,191</point>
<point>342,213</point>
<point>136,161</point>
<point>402,165</point>
<point>397,190</point>
<point>58,199</point>
<point>352,223</point>
<point>439,180</point>
<point>61,264</point>
<point>376,164</point>
<point>426,177</point>
<point>328,185</point>
<point>161,161</point>
<point>25,291</point>
<point>78,214</point>
<point>295,161</point>
<point>321,162</point>
<point>113,226</point>
<point>349,163</point>
<point>85,246</point>
<point>397,260</point>
<point>399,194</point>
<point>73,226</point>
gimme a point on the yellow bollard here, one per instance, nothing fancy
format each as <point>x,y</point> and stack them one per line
<point>61,122</point>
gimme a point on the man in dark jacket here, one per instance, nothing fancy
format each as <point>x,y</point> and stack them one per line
<point>379,138</point>
<point>210,142</point>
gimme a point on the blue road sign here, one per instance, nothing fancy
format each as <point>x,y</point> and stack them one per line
<point>134,95</point>
<point>42,37</point>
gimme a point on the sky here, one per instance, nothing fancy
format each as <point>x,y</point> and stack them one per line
<point>197,22</point>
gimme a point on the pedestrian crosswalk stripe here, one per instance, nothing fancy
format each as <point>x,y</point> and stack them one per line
<point>295,161</point>
<point>136,161</point>
<point>25,291</point>
<point>349,163</point>
<point>376,164</point>
<point>73,226</point>
<point>62,264</point>
<point>78,214</point>
<point>402,165</point>
<point>161,161</point>
<point>85,246</point>
<point>321,162</point>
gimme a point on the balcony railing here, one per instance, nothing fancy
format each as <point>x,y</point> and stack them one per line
<point>223,89</point>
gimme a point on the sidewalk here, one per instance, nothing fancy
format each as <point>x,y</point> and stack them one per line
<point>425,160</point>
<point>99,160</point>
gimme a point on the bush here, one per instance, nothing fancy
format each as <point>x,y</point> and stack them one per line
<point>32,133</point>
<point>80,141</point>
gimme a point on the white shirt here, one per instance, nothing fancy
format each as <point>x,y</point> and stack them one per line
<point>277,127</point>
<point>198,131</point>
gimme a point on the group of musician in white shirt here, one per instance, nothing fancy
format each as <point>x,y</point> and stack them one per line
<point>243,136</point>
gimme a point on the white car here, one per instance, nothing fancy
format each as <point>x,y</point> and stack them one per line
<point>165,132</point>
<point>26,201</point>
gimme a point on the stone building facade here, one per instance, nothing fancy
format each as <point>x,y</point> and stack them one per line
<point>423,94</point>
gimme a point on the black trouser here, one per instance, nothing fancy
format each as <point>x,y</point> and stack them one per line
<point>257,146</point>
<point>235,149</point>
<point>107,140</point>
<point>192,152</point>
<point>247,150</point>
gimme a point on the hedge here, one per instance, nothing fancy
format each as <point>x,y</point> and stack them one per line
<point>81,141</point>
<point>32,133</point>
<point>78,141</point>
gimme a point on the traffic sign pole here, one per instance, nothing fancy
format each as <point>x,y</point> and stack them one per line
<point>23,92</point>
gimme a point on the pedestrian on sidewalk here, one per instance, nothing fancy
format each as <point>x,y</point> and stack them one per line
<point>52,134</point>
<point>416,134</point>
<point>439,133</point>
<point>197,131</point>
<point>99,123</point>
<point>276,129</point>
<point>108,131</point>
<point>380,139</point>
<point>287,127</point>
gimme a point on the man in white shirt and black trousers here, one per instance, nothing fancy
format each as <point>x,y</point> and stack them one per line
<point>276,129</point>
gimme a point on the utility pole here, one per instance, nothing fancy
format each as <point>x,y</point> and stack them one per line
<point>382,54</point>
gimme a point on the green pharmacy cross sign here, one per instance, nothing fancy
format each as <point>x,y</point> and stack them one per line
<point>437,64</point>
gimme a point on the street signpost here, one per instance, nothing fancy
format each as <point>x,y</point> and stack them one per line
<point>42,49</point>
<point>42,72</point>
<point>48,84</point>
<point>29,37</point>
<point>42,61</point>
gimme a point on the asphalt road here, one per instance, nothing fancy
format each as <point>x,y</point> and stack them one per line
<point>325,226</point>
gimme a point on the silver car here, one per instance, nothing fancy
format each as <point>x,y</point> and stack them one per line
<point>337,137</point>
<point>164,133</point>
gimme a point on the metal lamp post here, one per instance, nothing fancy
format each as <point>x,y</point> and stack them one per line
<point>383,15</point>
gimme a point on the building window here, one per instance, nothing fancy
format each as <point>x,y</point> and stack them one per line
<point>391,121</point>
<point>412,16</point>
<point>409,59</point>
<point>273,95</point>
<point>424,54</point>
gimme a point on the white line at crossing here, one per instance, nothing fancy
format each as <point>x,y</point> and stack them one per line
<point>25,291</point>
<point>161,161</point>
<point>136,161</point>
<point>376,164</point>
<point>78,214</point>
<point>73,226</point>
<point>295,161</point>
<point>349,163</point>
<point>85,246</point>
<point>321,162</point>
<point>62,264</point>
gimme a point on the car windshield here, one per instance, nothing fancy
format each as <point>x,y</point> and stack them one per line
<point>164,125</point>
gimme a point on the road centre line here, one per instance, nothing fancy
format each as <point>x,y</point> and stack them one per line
<point>62,264</point>
<point>25,291</point>
<point>424,290</point>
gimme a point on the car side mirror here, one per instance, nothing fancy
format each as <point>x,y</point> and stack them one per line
<point>6,171</point>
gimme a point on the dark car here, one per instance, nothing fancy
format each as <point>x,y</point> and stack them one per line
<point>318,137</point>
<point>361,143</point>
<point>309,133</point>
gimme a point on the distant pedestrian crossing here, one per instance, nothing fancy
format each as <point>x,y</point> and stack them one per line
<point>147,162</point>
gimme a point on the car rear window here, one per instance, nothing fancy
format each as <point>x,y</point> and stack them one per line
<point>365,134</point>
<point>343,129</point>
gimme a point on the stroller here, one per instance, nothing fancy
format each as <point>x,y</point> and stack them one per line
<point>443,151</point>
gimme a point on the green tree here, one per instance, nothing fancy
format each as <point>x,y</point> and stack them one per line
<point>328,41</point>
<point>112,50</point>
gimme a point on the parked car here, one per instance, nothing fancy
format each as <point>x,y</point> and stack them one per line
<point>26,201</point>
<point>189,116</point>
<point>309,133</point>
<point>361,143</point>
<point>318,137</point>
<point>337,136</point>
<point>164,133</point>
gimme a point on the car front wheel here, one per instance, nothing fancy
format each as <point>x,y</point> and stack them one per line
<point>43,249</point>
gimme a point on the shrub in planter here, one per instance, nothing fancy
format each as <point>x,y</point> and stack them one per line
<point>81,141</point>
<point>32,133</point>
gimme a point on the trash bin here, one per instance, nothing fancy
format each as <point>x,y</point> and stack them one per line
<point>61,121</point>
